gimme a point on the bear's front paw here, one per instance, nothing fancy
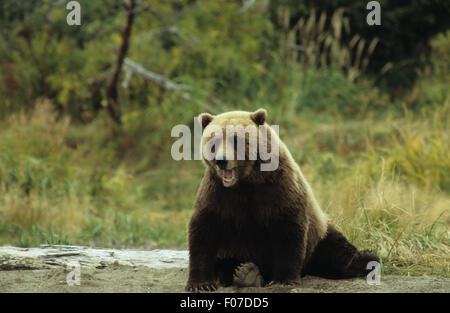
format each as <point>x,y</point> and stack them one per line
<point>201,286</point>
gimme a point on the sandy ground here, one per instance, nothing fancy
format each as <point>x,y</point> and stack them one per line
<point>120,278</point>
<point>46,268</point>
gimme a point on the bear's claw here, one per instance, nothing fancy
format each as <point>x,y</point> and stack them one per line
<point>288,283</point>
<point>201,286</point>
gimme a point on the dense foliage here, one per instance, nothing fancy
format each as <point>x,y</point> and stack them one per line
<point>225,55</point>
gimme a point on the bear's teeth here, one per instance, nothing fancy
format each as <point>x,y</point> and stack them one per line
<point>228,177</point>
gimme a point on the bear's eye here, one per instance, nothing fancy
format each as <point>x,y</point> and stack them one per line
<point>238,141</point>
<point>210,147</point>
<point>214,143</point>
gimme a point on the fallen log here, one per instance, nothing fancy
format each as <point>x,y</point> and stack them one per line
<point>48,256</point>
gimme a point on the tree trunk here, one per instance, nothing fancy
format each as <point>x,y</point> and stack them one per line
<point>112,94</point>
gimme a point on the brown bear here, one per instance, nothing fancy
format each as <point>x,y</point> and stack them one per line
<point>271,219</point>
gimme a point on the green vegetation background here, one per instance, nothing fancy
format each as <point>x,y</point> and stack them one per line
<point>364,110</point>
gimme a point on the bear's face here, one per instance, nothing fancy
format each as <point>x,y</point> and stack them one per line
<point>230,142</point>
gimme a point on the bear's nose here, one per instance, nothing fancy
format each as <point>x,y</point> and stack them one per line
<point>222,164</point>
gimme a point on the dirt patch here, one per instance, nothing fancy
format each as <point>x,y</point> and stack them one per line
<point>121,278</point>
<point>45,269</point>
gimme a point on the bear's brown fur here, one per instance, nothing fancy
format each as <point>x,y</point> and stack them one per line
<point>271,219</point>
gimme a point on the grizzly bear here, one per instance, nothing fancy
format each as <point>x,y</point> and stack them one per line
<point>270,219</point>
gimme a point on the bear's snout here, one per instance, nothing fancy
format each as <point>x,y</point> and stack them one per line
<point>222,164</point>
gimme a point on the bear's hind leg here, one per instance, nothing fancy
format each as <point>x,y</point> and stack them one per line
<point>336,258</point>
<point>248,275</point>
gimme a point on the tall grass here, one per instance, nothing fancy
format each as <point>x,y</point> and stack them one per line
<point>385,184</point>
<point>61,184</point>
<point>320,41</point>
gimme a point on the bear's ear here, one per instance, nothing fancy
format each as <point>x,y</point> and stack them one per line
<point>205,119</point>
<point>259,116</point>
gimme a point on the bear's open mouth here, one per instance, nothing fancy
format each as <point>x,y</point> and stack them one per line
<point>229,177</point>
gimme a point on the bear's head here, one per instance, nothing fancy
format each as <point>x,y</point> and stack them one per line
<point>231,144</point>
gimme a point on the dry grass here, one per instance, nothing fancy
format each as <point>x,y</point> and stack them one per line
<point>318,41</point>
<point>393,194</point>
